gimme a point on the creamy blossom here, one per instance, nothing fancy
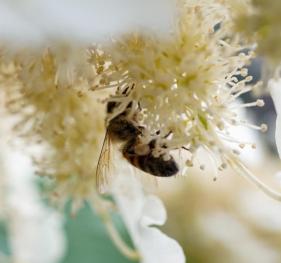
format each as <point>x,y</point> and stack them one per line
<point>186,84</point>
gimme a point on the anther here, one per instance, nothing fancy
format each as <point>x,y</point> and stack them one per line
<point>202,167</point>
<point>263,127</point>
<point>242,145</point>
<point>260,103</point>
<point>236,152</point>
<point>249,78</point>
<point>244,72</point>
<point>189,163</point>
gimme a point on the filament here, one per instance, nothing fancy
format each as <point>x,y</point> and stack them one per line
<point>119,242</point>
<point>245,172</point>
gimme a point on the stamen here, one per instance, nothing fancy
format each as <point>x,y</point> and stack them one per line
<point>238,94</point>
<point>257,103</point>
<point>234,140</point>
<point>262,127</point>
<point>189,163</point>
<point>245,172</point>
<point>213,159</point>
<point>117,240</point>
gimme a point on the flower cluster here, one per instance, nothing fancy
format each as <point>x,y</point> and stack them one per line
<point>47,93</point>
<point>182,88</point>
<point>186,84</point>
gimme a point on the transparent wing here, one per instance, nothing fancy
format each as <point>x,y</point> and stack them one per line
<point>103,166</point>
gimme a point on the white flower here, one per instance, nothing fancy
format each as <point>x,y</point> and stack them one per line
<point>47,21</point>
<point>142,213</point>
<point>35,231</point>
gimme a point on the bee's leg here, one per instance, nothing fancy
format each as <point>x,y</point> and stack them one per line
<point>133,109</point>
<point>124,92</point>
<point>129,148</point>
<point>128,89</point>
<point>185,148</point>
<point>141,129</point>
<point>139,106</point>
<point>168,134</point>
<point>133,86</point>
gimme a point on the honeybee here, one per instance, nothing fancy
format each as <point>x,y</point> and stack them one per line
<point>124,128</point>
<point>145,161</point>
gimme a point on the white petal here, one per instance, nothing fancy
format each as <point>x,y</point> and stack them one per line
<point>154,244</point>
<point>158,247</point>
<point>153,212</point>
<point>278,134</point>
<point>35,231</point>
<point>140,212</point>
<point>13,28</point>
<point>275,90</point>
<point>83,21</point>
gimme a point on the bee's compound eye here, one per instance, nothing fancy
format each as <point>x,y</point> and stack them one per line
<point>142,149</point>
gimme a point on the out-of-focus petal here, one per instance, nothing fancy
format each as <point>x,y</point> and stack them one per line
<point>275,89</point>
<point>141,213</point>
<point>153,212</point>
<point>81,21</point>
<point>35,230</point>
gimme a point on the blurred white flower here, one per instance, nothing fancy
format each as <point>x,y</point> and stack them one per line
<point>35,231</point>
<point>243,247</point>
<point>266,215</point>
<point>40,22</point>
<point>141,213</point>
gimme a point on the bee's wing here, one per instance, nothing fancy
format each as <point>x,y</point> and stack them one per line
<point>103,166</point>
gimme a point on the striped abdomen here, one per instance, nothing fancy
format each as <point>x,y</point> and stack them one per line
<point>156,166</point>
